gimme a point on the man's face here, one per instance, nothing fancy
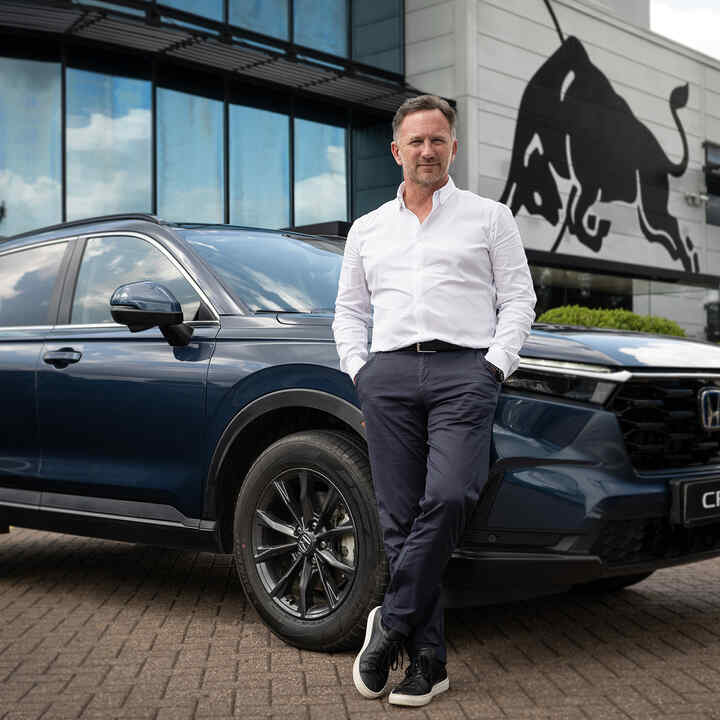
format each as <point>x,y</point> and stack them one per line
<point>424,148</point>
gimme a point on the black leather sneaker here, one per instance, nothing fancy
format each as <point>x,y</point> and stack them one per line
<point>382,650</point>
<point>425,678</point>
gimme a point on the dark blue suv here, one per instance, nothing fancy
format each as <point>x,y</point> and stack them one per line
<point>179,385</point>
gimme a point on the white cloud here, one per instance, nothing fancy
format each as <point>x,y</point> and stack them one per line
<point>110,133</point>
<point>320,198</point>
<point>29,203</point>
<point>109,165</point>
<point>693,25</point>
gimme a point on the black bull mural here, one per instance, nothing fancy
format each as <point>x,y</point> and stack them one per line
<point>572,122</point>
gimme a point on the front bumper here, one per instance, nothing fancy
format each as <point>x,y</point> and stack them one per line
<point>484,578</point>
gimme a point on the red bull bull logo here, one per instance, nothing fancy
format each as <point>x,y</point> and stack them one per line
<point>573,125</point>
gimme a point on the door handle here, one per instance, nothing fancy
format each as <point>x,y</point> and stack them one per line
<point>62,358</point>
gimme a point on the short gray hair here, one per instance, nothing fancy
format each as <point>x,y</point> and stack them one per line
<point>424,102</point>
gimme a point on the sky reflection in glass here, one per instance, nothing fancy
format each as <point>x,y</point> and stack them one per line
<point>27,281</point>
<point>322,25</point>
<point>272,272</point>
<point>259,168</point>
<point>190,164</point>
<point>30,157</point>
<point>320,176</point>
<point>109,128</point>
<point>269,17</point>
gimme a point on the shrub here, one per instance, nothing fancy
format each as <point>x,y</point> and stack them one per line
<point>617,319</point>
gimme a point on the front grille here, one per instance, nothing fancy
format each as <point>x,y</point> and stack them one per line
<point>660,421</point>
<point>640,540</point>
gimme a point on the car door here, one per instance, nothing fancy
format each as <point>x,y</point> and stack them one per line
<point>121,414</point>
<point>30,282</point>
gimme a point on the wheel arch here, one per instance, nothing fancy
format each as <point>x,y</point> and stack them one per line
<point>256,427</point>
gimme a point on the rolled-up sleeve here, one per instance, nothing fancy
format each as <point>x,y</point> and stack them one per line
<point>352,308</point>
<point>516,298</point>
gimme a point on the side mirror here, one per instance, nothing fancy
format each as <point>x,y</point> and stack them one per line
<point>143,305</point>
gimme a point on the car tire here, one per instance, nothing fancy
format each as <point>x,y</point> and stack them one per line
<point>612,584</point>
<point>340,561</point>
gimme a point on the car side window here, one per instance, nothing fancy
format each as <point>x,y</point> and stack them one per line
<point>109,262</point>
<point>27,282</point>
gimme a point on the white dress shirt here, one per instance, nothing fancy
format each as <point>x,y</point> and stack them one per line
<point>460,276</point>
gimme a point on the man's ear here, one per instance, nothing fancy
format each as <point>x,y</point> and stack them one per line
<point>395,152</point>
<point>454,150</point>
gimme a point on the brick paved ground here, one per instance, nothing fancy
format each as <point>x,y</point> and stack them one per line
<point>95,629</point>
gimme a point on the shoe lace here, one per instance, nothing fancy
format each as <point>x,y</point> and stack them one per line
<point>390,654</point>
<point>418,668</point>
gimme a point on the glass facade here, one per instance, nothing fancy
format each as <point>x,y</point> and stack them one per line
<point>269,17</point>
<point>190,164</point>
<point>30,144</point>
<point>259,167</point>
<point>320,173</point>
<point>212,9</point>
<point>377,34</point>
<point>322,25</point>
<point>88,131</point>
<point>108,144</point>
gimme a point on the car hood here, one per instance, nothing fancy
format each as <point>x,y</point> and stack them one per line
<point>621,349</point>
<point>615,348</point>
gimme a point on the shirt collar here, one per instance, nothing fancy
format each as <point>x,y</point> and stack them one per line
<point>439,196</point>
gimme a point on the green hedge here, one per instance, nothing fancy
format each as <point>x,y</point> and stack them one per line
<point>618,319</point>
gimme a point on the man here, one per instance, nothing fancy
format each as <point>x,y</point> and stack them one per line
<point>445,272</point>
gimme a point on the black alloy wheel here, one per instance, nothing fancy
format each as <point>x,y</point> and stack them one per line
<point>307,541</point>
<point>304,543</point>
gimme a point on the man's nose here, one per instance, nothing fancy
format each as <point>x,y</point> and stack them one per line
<point>427,149</point>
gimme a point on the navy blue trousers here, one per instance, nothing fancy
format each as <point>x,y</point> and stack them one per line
<point>428,418</point>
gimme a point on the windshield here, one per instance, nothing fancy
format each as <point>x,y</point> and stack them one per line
<point>272,272</point>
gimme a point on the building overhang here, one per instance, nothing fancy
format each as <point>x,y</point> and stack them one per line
<point>256,58</point>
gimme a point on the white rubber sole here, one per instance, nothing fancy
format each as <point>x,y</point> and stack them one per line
<point>363,689</point>
<point>418,700</point>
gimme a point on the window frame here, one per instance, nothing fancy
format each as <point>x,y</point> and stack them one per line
<point>70,286</point>
<point>60,280</point>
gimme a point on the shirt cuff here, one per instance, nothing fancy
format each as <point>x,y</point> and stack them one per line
<point>495,356</point>
<point>354,365</point>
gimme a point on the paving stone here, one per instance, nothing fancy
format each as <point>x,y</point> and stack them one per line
<point>98,630</point>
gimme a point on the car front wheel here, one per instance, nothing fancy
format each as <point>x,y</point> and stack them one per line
<point>307,542</point>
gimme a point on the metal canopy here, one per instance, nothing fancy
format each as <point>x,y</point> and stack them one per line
<point>213,45</point>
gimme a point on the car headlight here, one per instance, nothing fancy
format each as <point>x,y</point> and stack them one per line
<point>573,381</point>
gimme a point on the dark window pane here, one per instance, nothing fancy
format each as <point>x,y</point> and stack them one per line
<point>259,168</point>
<point>212,9</point>
<point>376,175</point>
<point>109,129</point>
<point>269,17</point>
<point>712,210</point>
<point>273,272</point>
<point>190,164</point>
<point>320,175</point>
<point>30,158</point>
<point>113,261</point>
<point>377,33</point>
<point>322,25</point>
<point>27,281</point>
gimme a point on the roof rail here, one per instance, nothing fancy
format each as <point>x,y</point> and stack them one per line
<point>87,221</point>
